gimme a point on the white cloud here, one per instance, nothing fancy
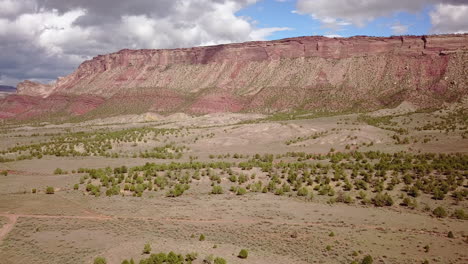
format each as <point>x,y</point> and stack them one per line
<point>446,18</point>
<point>262,33</point>
<point>334,14</point>
<point>333,36</point>
<point>44,39</point>
<point>399,29</point>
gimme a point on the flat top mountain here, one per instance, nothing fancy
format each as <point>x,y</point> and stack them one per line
<point>305,73</point>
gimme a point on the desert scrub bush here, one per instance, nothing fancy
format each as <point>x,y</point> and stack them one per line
<point>241,191</point>
<point>160,258</point>
<point>202,237</point>
<point>147,248</point>
<point>460,214</point>
<point>219,260</point>
<point>217,189</point>
<point>50,190</point>
<point>233,178</point>
<point>100,260</point>
<point>59,171</point>
<point>344,198</point>
<point>189,257</point>
<point>242,179</point>
<point>439,212</point>
<point>382,200</point>
<point>409,202</point>
<point>76,186</point>
<point>413,191</point>
<point>243,254</point>
<point>438,194</point>
<point>367,260</point>
<point>4,173</point>
<point>279,191</point>
<point>303,191</point>
<point>178,190</point>
<point>33,190</point>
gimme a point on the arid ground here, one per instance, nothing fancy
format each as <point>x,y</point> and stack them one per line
<point>288,188</point>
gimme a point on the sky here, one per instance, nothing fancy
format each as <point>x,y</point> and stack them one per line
<point>42,40</point>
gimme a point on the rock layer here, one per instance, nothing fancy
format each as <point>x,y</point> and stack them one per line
<point>298,73</point>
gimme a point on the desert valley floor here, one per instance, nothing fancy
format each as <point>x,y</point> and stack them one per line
<point>391,184</point>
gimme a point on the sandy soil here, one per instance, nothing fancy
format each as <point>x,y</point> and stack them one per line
<point>74,227</point>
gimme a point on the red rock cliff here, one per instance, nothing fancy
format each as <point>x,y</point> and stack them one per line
<point>304,72</point>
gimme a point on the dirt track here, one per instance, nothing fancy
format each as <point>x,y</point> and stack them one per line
<point>14,217</point>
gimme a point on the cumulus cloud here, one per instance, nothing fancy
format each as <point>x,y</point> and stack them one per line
<point>399,29</point>
<point>44,39</point>
<point>449,18</point>
<point>334,14</point>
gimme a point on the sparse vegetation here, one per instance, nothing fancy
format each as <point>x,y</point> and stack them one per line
<point>50,190</point>
<point>439,212</point>
<point>100,260</point>
<point>147,249</point>
<point>231,196</point>
<point>243,254</point>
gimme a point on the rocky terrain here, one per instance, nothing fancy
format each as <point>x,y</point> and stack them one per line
<point>304,73</point>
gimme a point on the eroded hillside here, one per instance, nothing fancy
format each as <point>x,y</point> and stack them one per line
<point>306,73</point>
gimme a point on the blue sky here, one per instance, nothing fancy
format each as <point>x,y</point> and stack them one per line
<point>271,13</point>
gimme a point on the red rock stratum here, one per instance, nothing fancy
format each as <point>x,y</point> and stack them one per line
<point>311,73</point>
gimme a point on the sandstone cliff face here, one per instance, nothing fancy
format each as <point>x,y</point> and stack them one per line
<point>306,72</point>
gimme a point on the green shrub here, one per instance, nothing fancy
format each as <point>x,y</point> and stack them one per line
<point>147,248</point>
<point>50,190</point>
<point>76,186</point>
<point>460,214</point>
<point>233,178</point>
<point>279,191</point>
<point>382,200</point>
<point>191,256</point>
<point>201,238</point>
<point>303,191</point>
<point>217,189</point>
<point>241,191</point>
<point>243,254</point>
<point>219,260</point>
<point>100,260</point>
<point>34,190</point>
<point>438,194</point>
<point>4,173</point>
<point>178,190</point>
<point>367,260</point>
<point>59,171</point>
<point>411,203</point>
<point>439,212</point>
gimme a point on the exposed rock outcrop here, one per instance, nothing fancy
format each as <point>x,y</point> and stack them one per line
<point>305,72</point>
